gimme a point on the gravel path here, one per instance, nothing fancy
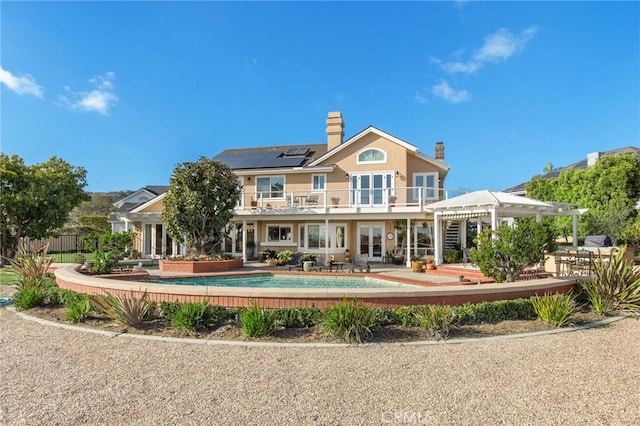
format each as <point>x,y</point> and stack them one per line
<point>52,376</point>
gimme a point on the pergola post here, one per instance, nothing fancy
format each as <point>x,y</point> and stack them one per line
<point>437,238</point>
<point>244,240</point>
<point>408,259</point>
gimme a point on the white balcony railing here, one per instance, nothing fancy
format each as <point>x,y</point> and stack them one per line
<point>417,197</point>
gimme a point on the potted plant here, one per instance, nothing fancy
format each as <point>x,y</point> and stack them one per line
<point>430,265</point>
<point>416,263</point>
<point>308,261</point>
<point>335,201</point>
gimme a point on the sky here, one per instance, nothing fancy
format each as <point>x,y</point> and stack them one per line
<point>128,90</point>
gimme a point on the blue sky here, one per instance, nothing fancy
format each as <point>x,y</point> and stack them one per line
<point>129,89</point>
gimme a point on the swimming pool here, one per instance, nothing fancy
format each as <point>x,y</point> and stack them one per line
<point>285,281</point>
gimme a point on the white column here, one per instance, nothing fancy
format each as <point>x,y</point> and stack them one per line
<point>463,235</point>
<point>479,225</point>
<point>326,239</point>
<point>437,236</point>
<point>575,229</point>
<point>408,259</point>
<point>154,240</point>
<point>244,240</point>
<point>415,238</point>
<point>494,221</point>
<point>164,241</point>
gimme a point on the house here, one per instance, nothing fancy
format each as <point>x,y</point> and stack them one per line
<point>358,194</point>
<point>590,160</point>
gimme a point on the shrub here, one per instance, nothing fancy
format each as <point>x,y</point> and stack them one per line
<point>616,283</point>
<point>79,311</point>
<point>437,320</point>
<point>130,311</point>
<point>298,317</point>
<point>32,264</point>
<point>267,254</point>
<point>504,255</point>
<point>554,309</point>
<point>30,296</point>
<point>198,316</point>
<point>406,315</point>
<point>452,256</point>
<point>102,262</point>
<point>256,321</point>
<point>168,309</point>
<point>498,310</point>
<point>350,321</point>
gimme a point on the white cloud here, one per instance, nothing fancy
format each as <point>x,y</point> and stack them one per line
<point>23,85</point>
<point>100,99</point>
<point>449,94</point>
<point>497,47</point>
<point>419,98</point>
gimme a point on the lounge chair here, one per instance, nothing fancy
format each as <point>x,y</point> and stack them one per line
<point>295,262</point>
<point>362,264</point>
<point>318,264</point>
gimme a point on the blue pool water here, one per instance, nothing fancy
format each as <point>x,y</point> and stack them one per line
<point>286,281</point>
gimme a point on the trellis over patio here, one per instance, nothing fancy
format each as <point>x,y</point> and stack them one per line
<point>495,205</point>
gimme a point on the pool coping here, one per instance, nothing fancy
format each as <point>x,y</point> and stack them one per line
<point>70,278</point>
<point>212,342</point>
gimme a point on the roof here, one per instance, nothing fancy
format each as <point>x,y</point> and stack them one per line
<point>480,202</point>
<point>271,157</point>
<point>383,134</point>
<point>582,164</point>
<point>157,189</point>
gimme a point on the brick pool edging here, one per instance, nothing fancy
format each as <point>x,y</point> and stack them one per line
<point>69,278</point>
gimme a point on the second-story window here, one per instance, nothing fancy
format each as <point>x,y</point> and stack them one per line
<point>270,187</point>
<point>318,182</point>
<point>372,156</point>
<point>425,186</point>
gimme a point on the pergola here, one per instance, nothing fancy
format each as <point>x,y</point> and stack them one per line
<point>495,205</point>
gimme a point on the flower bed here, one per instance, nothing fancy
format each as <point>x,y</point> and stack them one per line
<point>200,266</point>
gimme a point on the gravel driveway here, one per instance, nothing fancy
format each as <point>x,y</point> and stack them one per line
<point>52,376</point>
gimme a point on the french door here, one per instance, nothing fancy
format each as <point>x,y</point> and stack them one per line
<point>371,189</point>
<point>371,241</point>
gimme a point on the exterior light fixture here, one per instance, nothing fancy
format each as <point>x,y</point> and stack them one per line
<point>346,176</point>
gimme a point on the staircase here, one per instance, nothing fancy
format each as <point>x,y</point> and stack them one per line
<point>452,235</point>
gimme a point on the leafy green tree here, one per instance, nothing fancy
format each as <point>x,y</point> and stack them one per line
<point>36,200</point>
<point>200,202</point>
<point>506,253</point>
<point>610,190</point>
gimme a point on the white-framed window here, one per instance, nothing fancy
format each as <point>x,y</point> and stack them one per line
<point>318,182</point>
<point>270,187</point>
<point>314,236</point>
<point>372,156</point>
<point>426,186</point>
<point>279,233</point>
<point>371,188</point>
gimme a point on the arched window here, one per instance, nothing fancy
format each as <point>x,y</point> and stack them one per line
<point>372,155</point>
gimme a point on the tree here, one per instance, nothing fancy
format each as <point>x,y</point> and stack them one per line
<point>610,190</point>
<point>548,168</point>
<point>36,200</point>
<point>99,204</point>
<point>200,202</point>
<point>506,253</point>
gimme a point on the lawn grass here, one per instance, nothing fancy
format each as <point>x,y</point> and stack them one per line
<point>8,276</point>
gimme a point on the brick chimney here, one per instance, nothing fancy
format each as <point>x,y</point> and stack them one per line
<point>335,130</point>
<point>440,151</point>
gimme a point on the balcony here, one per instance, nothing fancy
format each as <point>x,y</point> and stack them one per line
<point>404,199</point>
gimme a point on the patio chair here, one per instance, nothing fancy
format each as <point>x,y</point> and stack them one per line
<point>318,264</point>
<point>312,200</point>
<point>295,262</point>
<point>361,263</point>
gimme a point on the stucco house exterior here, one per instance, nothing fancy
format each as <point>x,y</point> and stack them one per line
<point>358,194</point>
